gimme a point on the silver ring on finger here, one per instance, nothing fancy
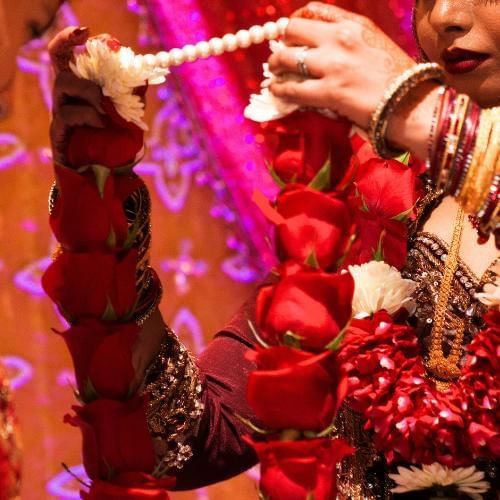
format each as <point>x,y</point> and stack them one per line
<point>301,62</point>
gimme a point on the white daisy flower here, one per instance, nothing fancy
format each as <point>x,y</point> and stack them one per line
<point>377,286</point>
<point>118,73</point>
<point>467,480</point>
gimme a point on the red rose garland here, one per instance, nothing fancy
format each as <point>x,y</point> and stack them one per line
<point>92,280</point>
<point>298,385</point>
<point>360,217</point>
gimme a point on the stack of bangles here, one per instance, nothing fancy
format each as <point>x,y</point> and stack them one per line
<point>463,154</point>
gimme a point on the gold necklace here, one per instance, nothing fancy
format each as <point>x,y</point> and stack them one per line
<point>445,368</point>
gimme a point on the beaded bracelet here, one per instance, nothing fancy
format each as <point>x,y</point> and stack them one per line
<point>396,92</point>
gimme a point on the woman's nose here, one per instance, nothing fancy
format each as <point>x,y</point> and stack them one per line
<point>450,18</point>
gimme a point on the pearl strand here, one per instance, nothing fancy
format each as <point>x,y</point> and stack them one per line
<point>217,46</point>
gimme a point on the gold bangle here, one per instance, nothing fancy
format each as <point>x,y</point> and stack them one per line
<point>466,196</point>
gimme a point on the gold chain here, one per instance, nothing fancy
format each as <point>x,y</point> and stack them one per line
<point>442,367</point>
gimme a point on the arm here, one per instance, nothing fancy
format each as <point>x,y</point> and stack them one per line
<point>208,394</point>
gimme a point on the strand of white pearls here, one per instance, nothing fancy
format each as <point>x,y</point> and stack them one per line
<point>217,46</point>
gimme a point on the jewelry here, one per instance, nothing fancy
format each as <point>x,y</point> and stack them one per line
<point>490,165</point>
<point>301,62</point>
<point>217,46</point>
<point>489,213</point>
<point>465,151</point>
<point>436,114</point>
<point>393,96</point>
<point>452,140</point>
<point>444,123</point>
<point>442,367</point>
<point>469,196</point>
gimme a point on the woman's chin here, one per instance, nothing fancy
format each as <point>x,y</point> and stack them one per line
<point>485,91</point>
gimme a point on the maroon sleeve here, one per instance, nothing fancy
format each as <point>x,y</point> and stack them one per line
<point>219,452</point>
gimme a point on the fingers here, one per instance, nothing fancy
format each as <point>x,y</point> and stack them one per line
<point>307,93</point>
<point>75,115</point>
<point>62,45</point>
<point>68,116</point>
<point>68,87</point>
<point>328,13</point>
<point>306,32</point>
<point>286,61</point>
<point>322,12</point>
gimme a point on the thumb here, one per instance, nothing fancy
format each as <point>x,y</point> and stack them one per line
<point>62,45</point>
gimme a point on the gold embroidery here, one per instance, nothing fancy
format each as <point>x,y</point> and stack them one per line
<point>175,407</point>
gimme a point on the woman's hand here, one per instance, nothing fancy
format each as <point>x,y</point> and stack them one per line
<point>76,102</point>
<point>351,62</point>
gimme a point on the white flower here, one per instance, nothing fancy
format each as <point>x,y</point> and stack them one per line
<point>118,73</point>
<point>377,286</point>
<point>265,106</point>
<point>466,480</point>
<point>490,295</point>
<point>491,291</point>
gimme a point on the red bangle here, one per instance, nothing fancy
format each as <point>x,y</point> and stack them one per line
<point>444,125</point>
<point>464,155</point>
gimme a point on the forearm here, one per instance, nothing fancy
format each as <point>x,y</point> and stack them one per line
<point>409,128</point>
<point>460,143</point>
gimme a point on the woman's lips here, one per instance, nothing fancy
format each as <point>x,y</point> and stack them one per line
<point>459,61</point>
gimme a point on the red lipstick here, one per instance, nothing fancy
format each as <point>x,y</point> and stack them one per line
<point>459,61</point>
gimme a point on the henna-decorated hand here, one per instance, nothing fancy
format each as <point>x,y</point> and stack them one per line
<point>76,102</point>
<point>350,60</point>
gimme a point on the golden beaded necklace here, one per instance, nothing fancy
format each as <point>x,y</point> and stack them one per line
<point>446,368</point>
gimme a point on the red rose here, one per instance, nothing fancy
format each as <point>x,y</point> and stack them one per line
<point>386,192</point>
<point>115,145</point>
<point>115,435</point>
<point>85,284</point>
<point>314,306</point>
<point>102,354</point>
<point>130,485</point>
<point>293,389</point>
<point>82,220</point>
<point>303,142</point>
<point>314,223</point>
<point>297,470</point>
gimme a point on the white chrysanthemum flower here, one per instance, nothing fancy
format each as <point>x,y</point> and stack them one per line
<point>377,286</point>
<point>491,291</point>
<point>466,480</point>
<point>265,106</point>
<point>490,295</point>
<point>118,73</point>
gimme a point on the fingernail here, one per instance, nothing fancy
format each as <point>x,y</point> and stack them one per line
<point>80,30</point>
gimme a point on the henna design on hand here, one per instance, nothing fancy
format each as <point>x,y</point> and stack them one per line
<point>396,61</point>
